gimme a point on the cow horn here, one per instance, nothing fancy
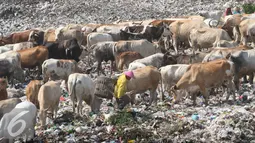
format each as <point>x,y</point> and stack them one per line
<point>210,23</point>
<point>2,35</point>
<point>218,23</point>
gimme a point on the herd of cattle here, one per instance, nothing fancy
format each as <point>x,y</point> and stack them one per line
<point>150,48</point>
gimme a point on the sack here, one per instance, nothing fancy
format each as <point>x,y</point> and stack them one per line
<point>105,87</point>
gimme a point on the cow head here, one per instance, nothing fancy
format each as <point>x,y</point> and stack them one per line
<point>19,74</point>
<point>59,33</point>
<point>124,35</point>
<point>168,59</point>
<point>95,104</point>
<point>36,37</point>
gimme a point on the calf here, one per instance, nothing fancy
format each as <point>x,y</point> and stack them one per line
<point>58,69</point>
<point>205,76</point>
<point>30,58</point>
<point>3,86</point>
<point>126,58</point>
<point>157,60</point>
<point>82,88</point>
<point>146,78</point>
<point>32,91</point>
<point>7,105</point>
<point>24,111</point>
<point>48,98</point>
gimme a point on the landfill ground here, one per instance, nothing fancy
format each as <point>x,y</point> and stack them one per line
<point>220,121</point>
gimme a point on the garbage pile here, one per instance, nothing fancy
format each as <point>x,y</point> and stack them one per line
<point>18,15</point>
<point>221,121</point>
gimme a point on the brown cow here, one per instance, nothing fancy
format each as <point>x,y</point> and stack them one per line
<point>3,86</point>
<point>232,22</point>
<point>32,91</point>
<point>16,37</point>
<point>30,58</point>
<point>126,58</point>
<point>49,35</point>
<point>204,76</point>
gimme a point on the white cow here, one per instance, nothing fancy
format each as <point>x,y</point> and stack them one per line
<point>10,66</point>
<point>58,69</point>
<point>144,47</point>
<point>96,37</point>
<point>48,98</point>
<point>171,74</point>
<point>133,66</point>
<point>82,88</point>
<point>24,113</point>
<point>157,60</point>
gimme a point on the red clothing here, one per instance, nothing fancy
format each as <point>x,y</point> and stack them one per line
<point>228,12</point>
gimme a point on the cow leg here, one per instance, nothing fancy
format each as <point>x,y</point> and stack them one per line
<point>245,80</point>
<point>42,116</point>
<point>132,98</point>
<point>111,68</point>
<point>153,96</point>
<point>73,106</point>
<point>11,78</point>
<point>175,44</point>
<point>205,94</point>
<point>56,111</point>
<point>236,82</point>
<point>251,76</point>
<point>39,71</point>
<point>79,109</point>
<point>98,68</point>
<point>230,89</point>
<point>245,40</point>
<point>194,98</point>
<point>73,99</point>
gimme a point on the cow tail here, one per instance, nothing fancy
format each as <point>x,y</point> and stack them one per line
<point>72,88</point>
<point>161,85</point>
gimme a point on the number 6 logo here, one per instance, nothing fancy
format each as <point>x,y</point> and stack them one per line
<point>14,122</point>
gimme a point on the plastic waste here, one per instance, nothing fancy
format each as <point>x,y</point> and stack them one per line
<point>195,117</point>
<point>212,117</point>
